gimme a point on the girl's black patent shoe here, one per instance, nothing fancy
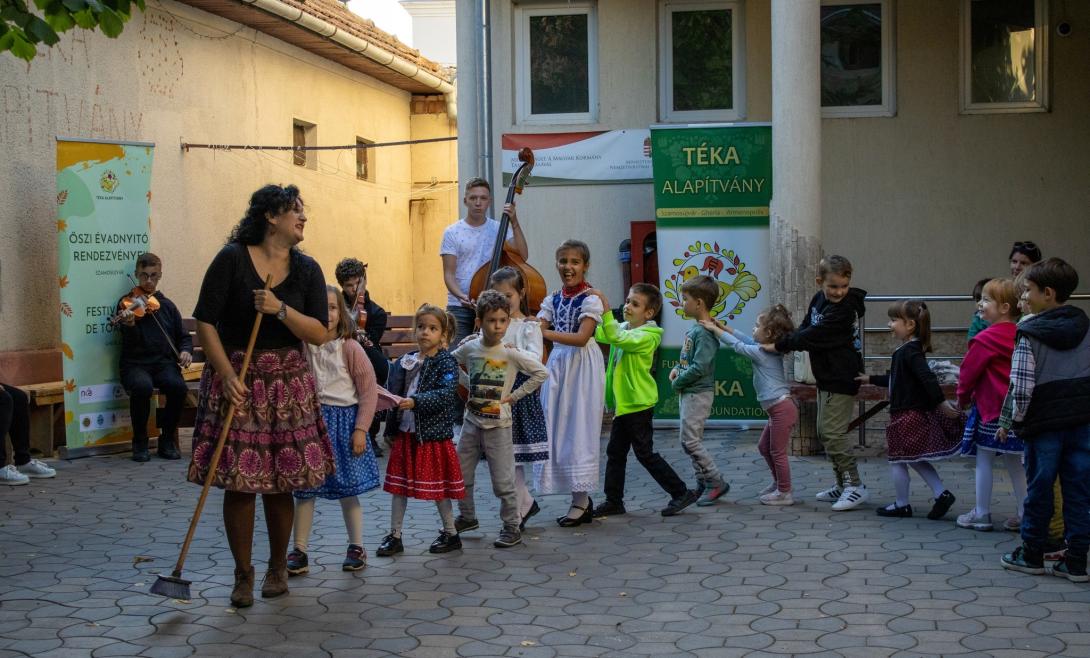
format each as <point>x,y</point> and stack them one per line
<point>897,512</point>
<point>586,517</point>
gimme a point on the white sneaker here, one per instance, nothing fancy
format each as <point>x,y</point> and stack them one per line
<point>11,476</point>
<point>37,469</point>
<point>830,495</point>
<point>851,498</point>
<point>973,520</point>
<point>777,498</point>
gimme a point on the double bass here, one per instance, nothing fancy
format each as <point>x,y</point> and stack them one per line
<point>503,254</point>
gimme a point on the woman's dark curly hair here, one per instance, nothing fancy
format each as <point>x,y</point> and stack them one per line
<point>269,200</point>
<point>350,268</point>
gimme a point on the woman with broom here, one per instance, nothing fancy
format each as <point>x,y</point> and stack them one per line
<point>277,442</point>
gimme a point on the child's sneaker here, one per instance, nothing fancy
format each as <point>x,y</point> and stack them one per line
<point>851,498</point>
<point>11,476</point>
<point>446,543</point>
<point>1056,555</point>
<point>509,536</point>
<point>462,524</point>
<point>37,469</point>
<point>674,507</point>
<point>354,560</point>
<point>717,491</point>
<point>830,495</point>
<point>974,521</point>
<point>1073,569</point>
<point>777,498</point>
<point>772,486</point>
<point>297,563</point>
<point>942,505</point>
<point>1026,561</point>
<point>1012,524</point>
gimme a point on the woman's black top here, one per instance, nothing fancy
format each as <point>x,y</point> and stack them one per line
<point>227,298</point>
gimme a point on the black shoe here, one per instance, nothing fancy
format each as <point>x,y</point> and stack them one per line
<point>446,543</point>
<point>534,509</point>
<point>1071,568</point>
<point>390,545</point>
<point>297,563</point>
<point>608,508</point>
<point>462,524</point>
<point>168,445</point>
<point>586,517</point>
<point>942,505</point>
<point>681,502</point>
<point>509,536</point>
<point>896,512</point>
<point>140,449</point>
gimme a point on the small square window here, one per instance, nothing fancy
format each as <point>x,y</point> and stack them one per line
<point>365,160</point>
<point>702,61</point>
<point>1004,51</point>
<point>857,58</point>
<point>304,134</point>
<point>557,65</point>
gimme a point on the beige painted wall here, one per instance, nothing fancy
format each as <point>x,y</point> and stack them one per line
<point>927,201</point>
<point>436,203</point>
<point>178,74</point>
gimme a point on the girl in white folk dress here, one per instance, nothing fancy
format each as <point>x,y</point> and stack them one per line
<point>574,393</point>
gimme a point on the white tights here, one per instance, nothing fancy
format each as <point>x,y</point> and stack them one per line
<point>899,472</point>
<point>1017,474</point>
<point>522,492</point>
<point>401,503</point>
<point>304,521</point>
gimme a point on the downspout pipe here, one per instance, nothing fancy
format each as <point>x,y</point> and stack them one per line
<point>355,44</point>
<point>484,90</point>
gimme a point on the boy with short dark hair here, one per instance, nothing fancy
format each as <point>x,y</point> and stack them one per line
<point>693,378</point>
<point>490,368</point>
<point>631,392</point>
<point>1050,391</point>
<point>831,333</point>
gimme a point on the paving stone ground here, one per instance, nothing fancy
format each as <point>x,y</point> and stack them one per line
<point>735,579</point>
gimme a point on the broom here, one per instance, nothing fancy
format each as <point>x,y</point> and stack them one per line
<point>174,586</point>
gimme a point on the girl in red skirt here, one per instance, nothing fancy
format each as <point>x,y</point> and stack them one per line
<point>921,428</point>
<point>423,463</point>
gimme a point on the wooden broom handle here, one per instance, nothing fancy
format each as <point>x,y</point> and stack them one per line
<point>220,442</point>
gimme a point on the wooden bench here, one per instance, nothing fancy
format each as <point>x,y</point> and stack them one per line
<point>398,339</point>
<point>805,441</point>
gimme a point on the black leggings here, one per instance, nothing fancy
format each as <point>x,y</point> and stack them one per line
<point>14,419</point>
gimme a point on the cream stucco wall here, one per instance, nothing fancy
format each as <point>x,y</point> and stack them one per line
<point>178,74</point>
<point>927,201</point>
<point>436,204</point>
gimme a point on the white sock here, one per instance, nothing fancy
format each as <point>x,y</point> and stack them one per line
<point>1017,474</point>
<point>525,500</point>
<point>984,481</point>
<point>579,499</point>
<point>353,519</point>
<point>304,521</point>
<point>899,473</point>
<point>930,476</point>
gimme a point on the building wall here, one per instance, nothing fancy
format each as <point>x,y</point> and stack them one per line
<point>177,75</point>
<point>433,29</point>
<point>925,202</point>
<point>436,201</point>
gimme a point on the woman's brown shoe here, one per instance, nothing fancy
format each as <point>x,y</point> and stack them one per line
<point>275,583</point>
<point>242,596</point>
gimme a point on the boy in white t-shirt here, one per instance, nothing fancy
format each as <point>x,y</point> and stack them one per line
<point>467,245</point>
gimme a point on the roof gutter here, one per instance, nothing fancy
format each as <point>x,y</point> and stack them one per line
<point>358,45</point>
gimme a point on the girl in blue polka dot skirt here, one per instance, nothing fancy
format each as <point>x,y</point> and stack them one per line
<point>348,392</point>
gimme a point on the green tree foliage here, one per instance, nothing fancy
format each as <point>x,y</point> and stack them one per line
<point>22,28</point>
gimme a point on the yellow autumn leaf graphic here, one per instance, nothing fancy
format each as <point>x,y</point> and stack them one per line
<point>61,225</point>
<point>62,196</point>
<point>64,281</point>
<point>66,308</point>
<point>746,286</point>
<point>69,385</point>
<point>67,351</point>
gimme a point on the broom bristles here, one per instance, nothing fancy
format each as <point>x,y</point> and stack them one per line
<point>171,587</point>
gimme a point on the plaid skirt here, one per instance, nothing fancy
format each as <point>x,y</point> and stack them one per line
<point>277,442</point>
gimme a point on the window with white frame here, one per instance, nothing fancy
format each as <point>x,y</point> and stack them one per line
<point>557,63</point>
<point>1004,56</point>
<point>702,61</point>
<point>857,58</point>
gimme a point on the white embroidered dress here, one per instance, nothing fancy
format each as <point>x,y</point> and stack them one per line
<point>573,398</point>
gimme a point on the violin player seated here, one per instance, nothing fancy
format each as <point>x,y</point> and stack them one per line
<point>154,348</point>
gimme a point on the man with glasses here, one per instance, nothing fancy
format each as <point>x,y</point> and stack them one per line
<point>154,349</point>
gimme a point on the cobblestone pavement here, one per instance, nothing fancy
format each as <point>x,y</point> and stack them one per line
<point>738,578</point>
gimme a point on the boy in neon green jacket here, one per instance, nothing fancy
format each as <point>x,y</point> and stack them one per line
<point>632,393</point>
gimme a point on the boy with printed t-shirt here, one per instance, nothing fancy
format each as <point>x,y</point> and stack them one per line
<point>490,368</point>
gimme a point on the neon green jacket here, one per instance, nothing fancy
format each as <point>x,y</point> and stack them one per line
<point>629,384</point>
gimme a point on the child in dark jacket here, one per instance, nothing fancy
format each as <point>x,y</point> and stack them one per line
<point>921,428</point>
<point>831,333</point>
<point>423,463</point>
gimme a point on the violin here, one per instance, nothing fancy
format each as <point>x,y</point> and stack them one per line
<point>503,254</point>
<point>137,302</point>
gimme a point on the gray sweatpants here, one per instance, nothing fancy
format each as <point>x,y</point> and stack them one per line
<point>496,444</point>
<point>695,408</point>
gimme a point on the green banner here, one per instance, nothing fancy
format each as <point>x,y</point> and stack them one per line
<point>713,185</point>
<point>103,199</point>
